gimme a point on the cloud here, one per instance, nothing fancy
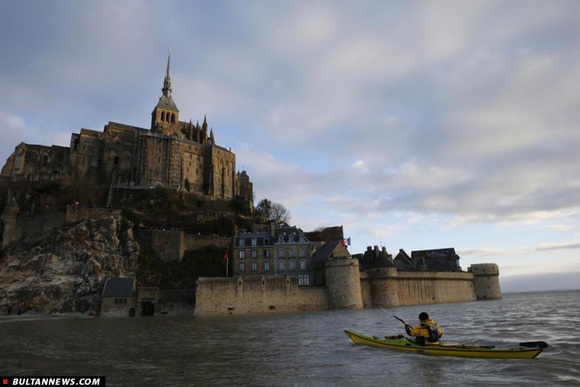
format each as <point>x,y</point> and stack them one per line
<point>492,252</point>
<point>380,116</point>
<point>556,246</point>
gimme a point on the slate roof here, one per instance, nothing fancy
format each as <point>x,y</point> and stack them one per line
<point>324,251</point>
<point>166,102</point>
<point>119,287</point>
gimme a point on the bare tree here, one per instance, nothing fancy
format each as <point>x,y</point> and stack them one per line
<point>267,211</point>
<point>280,214</point>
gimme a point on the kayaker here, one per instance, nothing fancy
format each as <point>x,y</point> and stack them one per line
<point>427,332</point>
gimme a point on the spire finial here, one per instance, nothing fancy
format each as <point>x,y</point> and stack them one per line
<point>168,60</point>
<point>167,82</point>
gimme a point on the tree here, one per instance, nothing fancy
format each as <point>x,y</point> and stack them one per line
<point>280,214</point>
<point>267,211</point>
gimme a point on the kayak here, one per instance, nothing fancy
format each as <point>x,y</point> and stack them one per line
<point>461,350</point>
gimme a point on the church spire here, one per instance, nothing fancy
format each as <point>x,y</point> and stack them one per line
<point>167,82</point>
<point>165,116</point>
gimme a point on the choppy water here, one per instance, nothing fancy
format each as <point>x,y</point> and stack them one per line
<point>306,349</point>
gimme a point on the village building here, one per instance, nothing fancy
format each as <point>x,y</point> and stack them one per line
<point>118,298</point>
<point>278,251</point>
<point>288,251</point>
<point>435,260</point>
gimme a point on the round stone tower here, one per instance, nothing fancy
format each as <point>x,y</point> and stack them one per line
<point>383,286</point>
<point>486,281</point>
<point>343,282</point>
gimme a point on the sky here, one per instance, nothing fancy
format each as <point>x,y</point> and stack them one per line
<point>413,124</point>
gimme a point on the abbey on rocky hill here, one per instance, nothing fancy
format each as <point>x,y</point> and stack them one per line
<point>172,153</point>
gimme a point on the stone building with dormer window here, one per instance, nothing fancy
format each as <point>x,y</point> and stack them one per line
<point>278,251</point>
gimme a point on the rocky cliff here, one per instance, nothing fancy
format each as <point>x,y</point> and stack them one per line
<point>65,271</point>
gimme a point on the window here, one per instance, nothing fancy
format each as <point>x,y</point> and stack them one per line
<point>254,242</point>
<point>241,242</point>
<point>282,265</point>
<point>302,264</point>
<point>292,265</point>
<point>266,266</point>
<point>242,266</point>
<point>303,280</point>
<point>242,254</point>
<point>254,266</point>
<point>302,253</point>
<point>266,241</point>
<point>254,254</point>
<point>291,253</point>
<point>280,253</point>
<point>267,253</point>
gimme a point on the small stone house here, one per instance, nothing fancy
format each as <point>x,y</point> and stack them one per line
<point>118,299</point>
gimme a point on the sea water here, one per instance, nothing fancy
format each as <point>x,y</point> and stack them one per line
<point>303,349</point>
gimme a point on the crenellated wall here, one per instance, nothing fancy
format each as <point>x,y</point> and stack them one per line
<point>347,288</point>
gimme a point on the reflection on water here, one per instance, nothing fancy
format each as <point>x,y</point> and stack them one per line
<point>300,349</point>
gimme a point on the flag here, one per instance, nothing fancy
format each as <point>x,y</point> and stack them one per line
<point>226,257</point>
<point>348,241</point>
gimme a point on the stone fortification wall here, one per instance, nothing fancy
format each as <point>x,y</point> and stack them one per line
<point>194,241</point>
<point>486,281</point>
<point>79,213</point>
<point>382,287</point>
<point>41,221</point>
<point>434,288</point>
<point>168,244</point>
<point>45,219</point>
<point>171,245</point>
<point>387,287</point>
<point>346,288</point>
<point>216,296</point>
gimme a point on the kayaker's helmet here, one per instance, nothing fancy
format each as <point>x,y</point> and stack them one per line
<point>423,316</point>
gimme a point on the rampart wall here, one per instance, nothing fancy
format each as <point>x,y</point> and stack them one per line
<point>380,287</point>
<point>31,225</point>
<point>256,295</point>
<point>193,241</point>
<point>45,219</point>
<point>79,213</point>
<point>168,244</point>
<point>385,287</point>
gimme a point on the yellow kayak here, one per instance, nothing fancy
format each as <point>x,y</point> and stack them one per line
<point>460,350</point>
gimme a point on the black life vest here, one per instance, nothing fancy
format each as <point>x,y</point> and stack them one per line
<point>433,332</point>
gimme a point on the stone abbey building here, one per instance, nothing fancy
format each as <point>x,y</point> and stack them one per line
<point>172,153</point>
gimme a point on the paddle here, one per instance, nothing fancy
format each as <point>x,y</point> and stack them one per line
<point>533,344</point>
<point>401,320</point>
